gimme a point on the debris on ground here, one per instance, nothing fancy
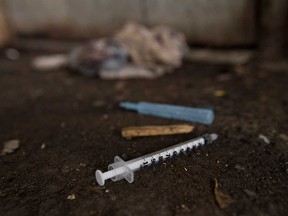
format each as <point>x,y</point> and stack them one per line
<point>223,200</point>
<point>264,138</point>
<point>10,146</point>
<point>135,51</point>
<point>130,132</point>
<point>71,197</point>
<point>12,54</point>
<point>238,167</point>
<point>127,72</point>
<point>66,169</point>
<point>219,93</point>
<point>159,49</point>
<point>43,146</point>
<point>98,55</point>
<point>284,137</point>
<point>83,164</point>
<point>52,62</point>
<point>250,193</point>
<point>220,56</point>
<point>199,115</point>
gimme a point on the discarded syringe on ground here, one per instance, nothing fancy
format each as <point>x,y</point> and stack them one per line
<point>125,169</point>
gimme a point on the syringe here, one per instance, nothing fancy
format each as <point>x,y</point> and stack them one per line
<point>125,169</point>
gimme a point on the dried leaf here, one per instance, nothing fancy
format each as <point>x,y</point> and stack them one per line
<point>223,200</point>
<point>10,146</point>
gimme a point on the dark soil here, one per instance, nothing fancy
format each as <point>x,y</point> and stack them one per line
<point>79,121</point>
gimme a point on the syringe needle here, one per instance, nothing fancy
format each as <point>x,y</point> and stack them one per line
<point>121,169</point>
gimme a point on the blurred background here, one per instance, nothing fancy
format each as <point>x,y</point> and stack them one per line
<point>260,24</point>
<point>57,127</point>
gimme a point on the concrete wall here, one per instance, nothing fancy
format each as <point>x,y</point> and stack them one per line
<point>211,22</point>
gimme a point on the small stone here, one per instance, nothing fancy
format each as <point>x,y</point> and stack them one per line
<point>10,146</point>
<point>238,167</point>
<point>105,116</point>
<point>12,54</point>
<point>219,93</point>
<point>107,191</point>
<point>71,197</point>
<point>113,198</point>
<point>43,146</point>
<point>83,164</point>
<point>185,169</point>
<point>183,206</point>
<point>250,193</point>
<point>284,137</point>
<point>66,169</point>
<point>217,161</point>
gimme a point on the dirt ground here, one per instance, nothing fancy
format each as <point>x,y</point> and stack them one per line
<point>69,126</point>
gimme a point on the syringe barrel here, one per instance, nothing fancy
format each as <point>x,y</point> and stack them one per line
<point>167,153</point>
<point>121,169</point>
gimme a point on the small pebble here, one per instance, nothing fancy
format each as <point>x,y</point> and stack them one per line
<point>113,198</point>
<point>238,167</point>
<point>66,169</point>
<point>284,137</point>
<point>43,146</point>
<point>105,116</point>
<point>12,54</point>
<point>83,164</point>
<point>250,193</point>
<point>10,146</point>
<point>71,197</point>
<point>185,169</point>
<point>63,125</point>
<point>107,191</point>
